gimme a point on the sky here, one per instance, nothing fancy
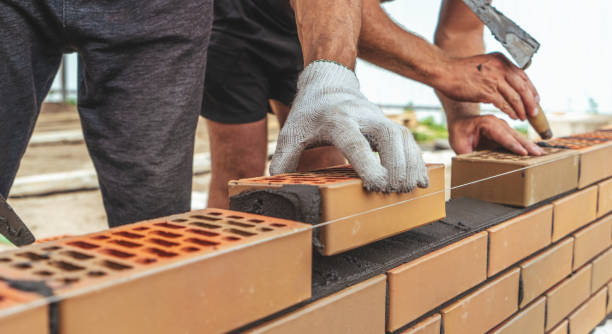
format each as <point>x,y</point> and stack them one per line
<point>573,65</point>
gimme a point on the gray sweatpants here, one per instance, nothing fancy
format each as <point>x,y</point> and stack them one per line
<point>140,92</point>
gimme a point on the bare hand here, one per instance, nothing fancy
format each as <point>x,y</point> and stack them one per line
<point>490,78</point>
<point>488,132</point>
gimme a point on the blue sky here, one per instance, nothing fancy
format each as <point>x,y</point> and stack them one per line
<point>574,62</point>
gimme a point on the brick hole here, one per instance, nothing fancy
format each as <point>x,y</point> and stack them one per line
<point>68,280</point>
<point>240,224</point>
<point>83,244</point>
<point>100,237</point>
<point>140,228</point>
<point>203,232</point>
<point>265,229</point>
<point>51,248</point>
<point>256,221</point>
<point>205,225</point>
<point>5,259</point>
<point>125,243</point>
<point>240,232</point>
<point>278,225</point>
<point>160,252</point>
<point>77,255</point>
<point>166,234</point>
<point>202,242</point>
<point>215,213</point>
<point>170,226</point>
<point>231,238</point>
<point>129,235</point>
<point>179,220</point>
<point>116,253</point>
<point>190,249</point>
<point>147,260</point>
<point>114,265</point>
<point>65,266</point>
<point>205,218</point>
<point>162,242</point>
<point>234,217</point>
<point>45,273</point>
<point>22,265</point>
<point>96,273</point>
<point>33,256</point>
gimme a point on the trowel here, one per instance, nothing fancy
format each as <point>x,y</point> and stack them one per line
<point>518,43</point>
<point>12,227</point>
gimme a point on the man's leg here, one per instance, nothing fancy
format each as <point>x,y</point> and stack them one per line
<point>314,158</point>
<point>30,54</point>
<point>236,151</point>
<point>139,99</point>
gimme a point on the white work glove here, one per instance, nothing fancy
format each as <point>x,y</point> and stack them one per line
<point>329,109</point>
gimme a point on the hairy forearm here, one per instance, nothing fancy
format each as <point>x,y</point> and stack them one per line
<point>384,43</point>
<point>459,34</point>
<point>328,29</point>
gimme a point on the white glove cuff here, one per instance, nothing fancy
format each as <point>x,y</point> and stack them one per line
<point>327,73</point>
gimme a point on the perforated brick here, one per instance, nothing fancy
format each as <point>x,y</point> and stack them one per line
<point>518,238</point>
<point>17,315</point>
<point>594,156</point>
<point>604,205</point>
<point>160,267</point>
<point>359,217</point>
<point>526,180</point>
<point>484,308</point>
<point>542,271</point>
<point>567,296</point>
<point>587,316</point>
<point>356,309</point>
<point>431,325</point>
<point>592,240</point>
<point>427,282</point>
<point>562,328</point>
<point>574,211</point>
<point>602,270</point>
<point>527,321</point>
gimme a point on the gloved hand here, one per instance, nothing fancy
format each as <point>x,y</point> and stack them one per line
<point>330,110</point>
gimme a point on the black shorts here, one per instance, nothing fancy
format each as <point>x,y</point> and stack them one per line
<point>251,58</point>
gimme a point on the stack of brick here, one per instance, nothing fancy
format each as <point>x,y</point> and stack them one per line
<point>486,267</point>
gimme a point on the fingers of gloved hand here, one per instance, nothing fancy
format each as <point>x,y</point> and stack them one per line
<point>502,135</point>
<point>289,148</point>
<point>386,137</point>
<point>349,140</point>
<point>513,98</point>
<point>416,169</point>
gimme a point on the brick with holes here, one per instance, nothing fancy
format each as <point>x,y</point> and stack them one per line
<point>336,195</point>
<point>22,312</point>
<point>209,270</point>
<point>594,151</point>
<point>524,180</point>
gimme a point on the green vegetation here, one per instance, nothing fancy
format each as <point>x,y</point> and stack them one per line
<point>593,107</point>
<point>521,129</point>
<point>429,130</point>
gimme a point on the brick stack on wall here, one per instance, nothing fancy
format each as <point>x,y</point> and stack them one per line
<point>542,265</point>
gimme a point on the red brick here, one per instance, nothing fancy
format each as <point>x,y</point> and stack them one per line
<point>518,238</point>
<point>356,309</point>
<point>431,325</point>
<point>605,198</point>
<point>592,240</point>
<point>535,179</point>
<point>609,308</point>
<point>543,271</point>
<point>594,157</point>
<point>427,282</point>
<point>22,312</point>
<point>527,321</point>
<point>602,270</point>
<point>567,296</point>
<point>562,328</point>
<point>587,316</point>
<point>485,307</point>
<point>574,211</point>
<point>263,263</point>
<point>342,195</point>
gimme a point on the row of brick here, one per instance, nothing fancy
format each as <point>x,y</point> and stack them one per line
<point>491,262</point>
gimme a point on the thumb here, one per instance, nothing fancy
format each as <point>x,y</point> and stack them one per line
<point>286,158</point>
